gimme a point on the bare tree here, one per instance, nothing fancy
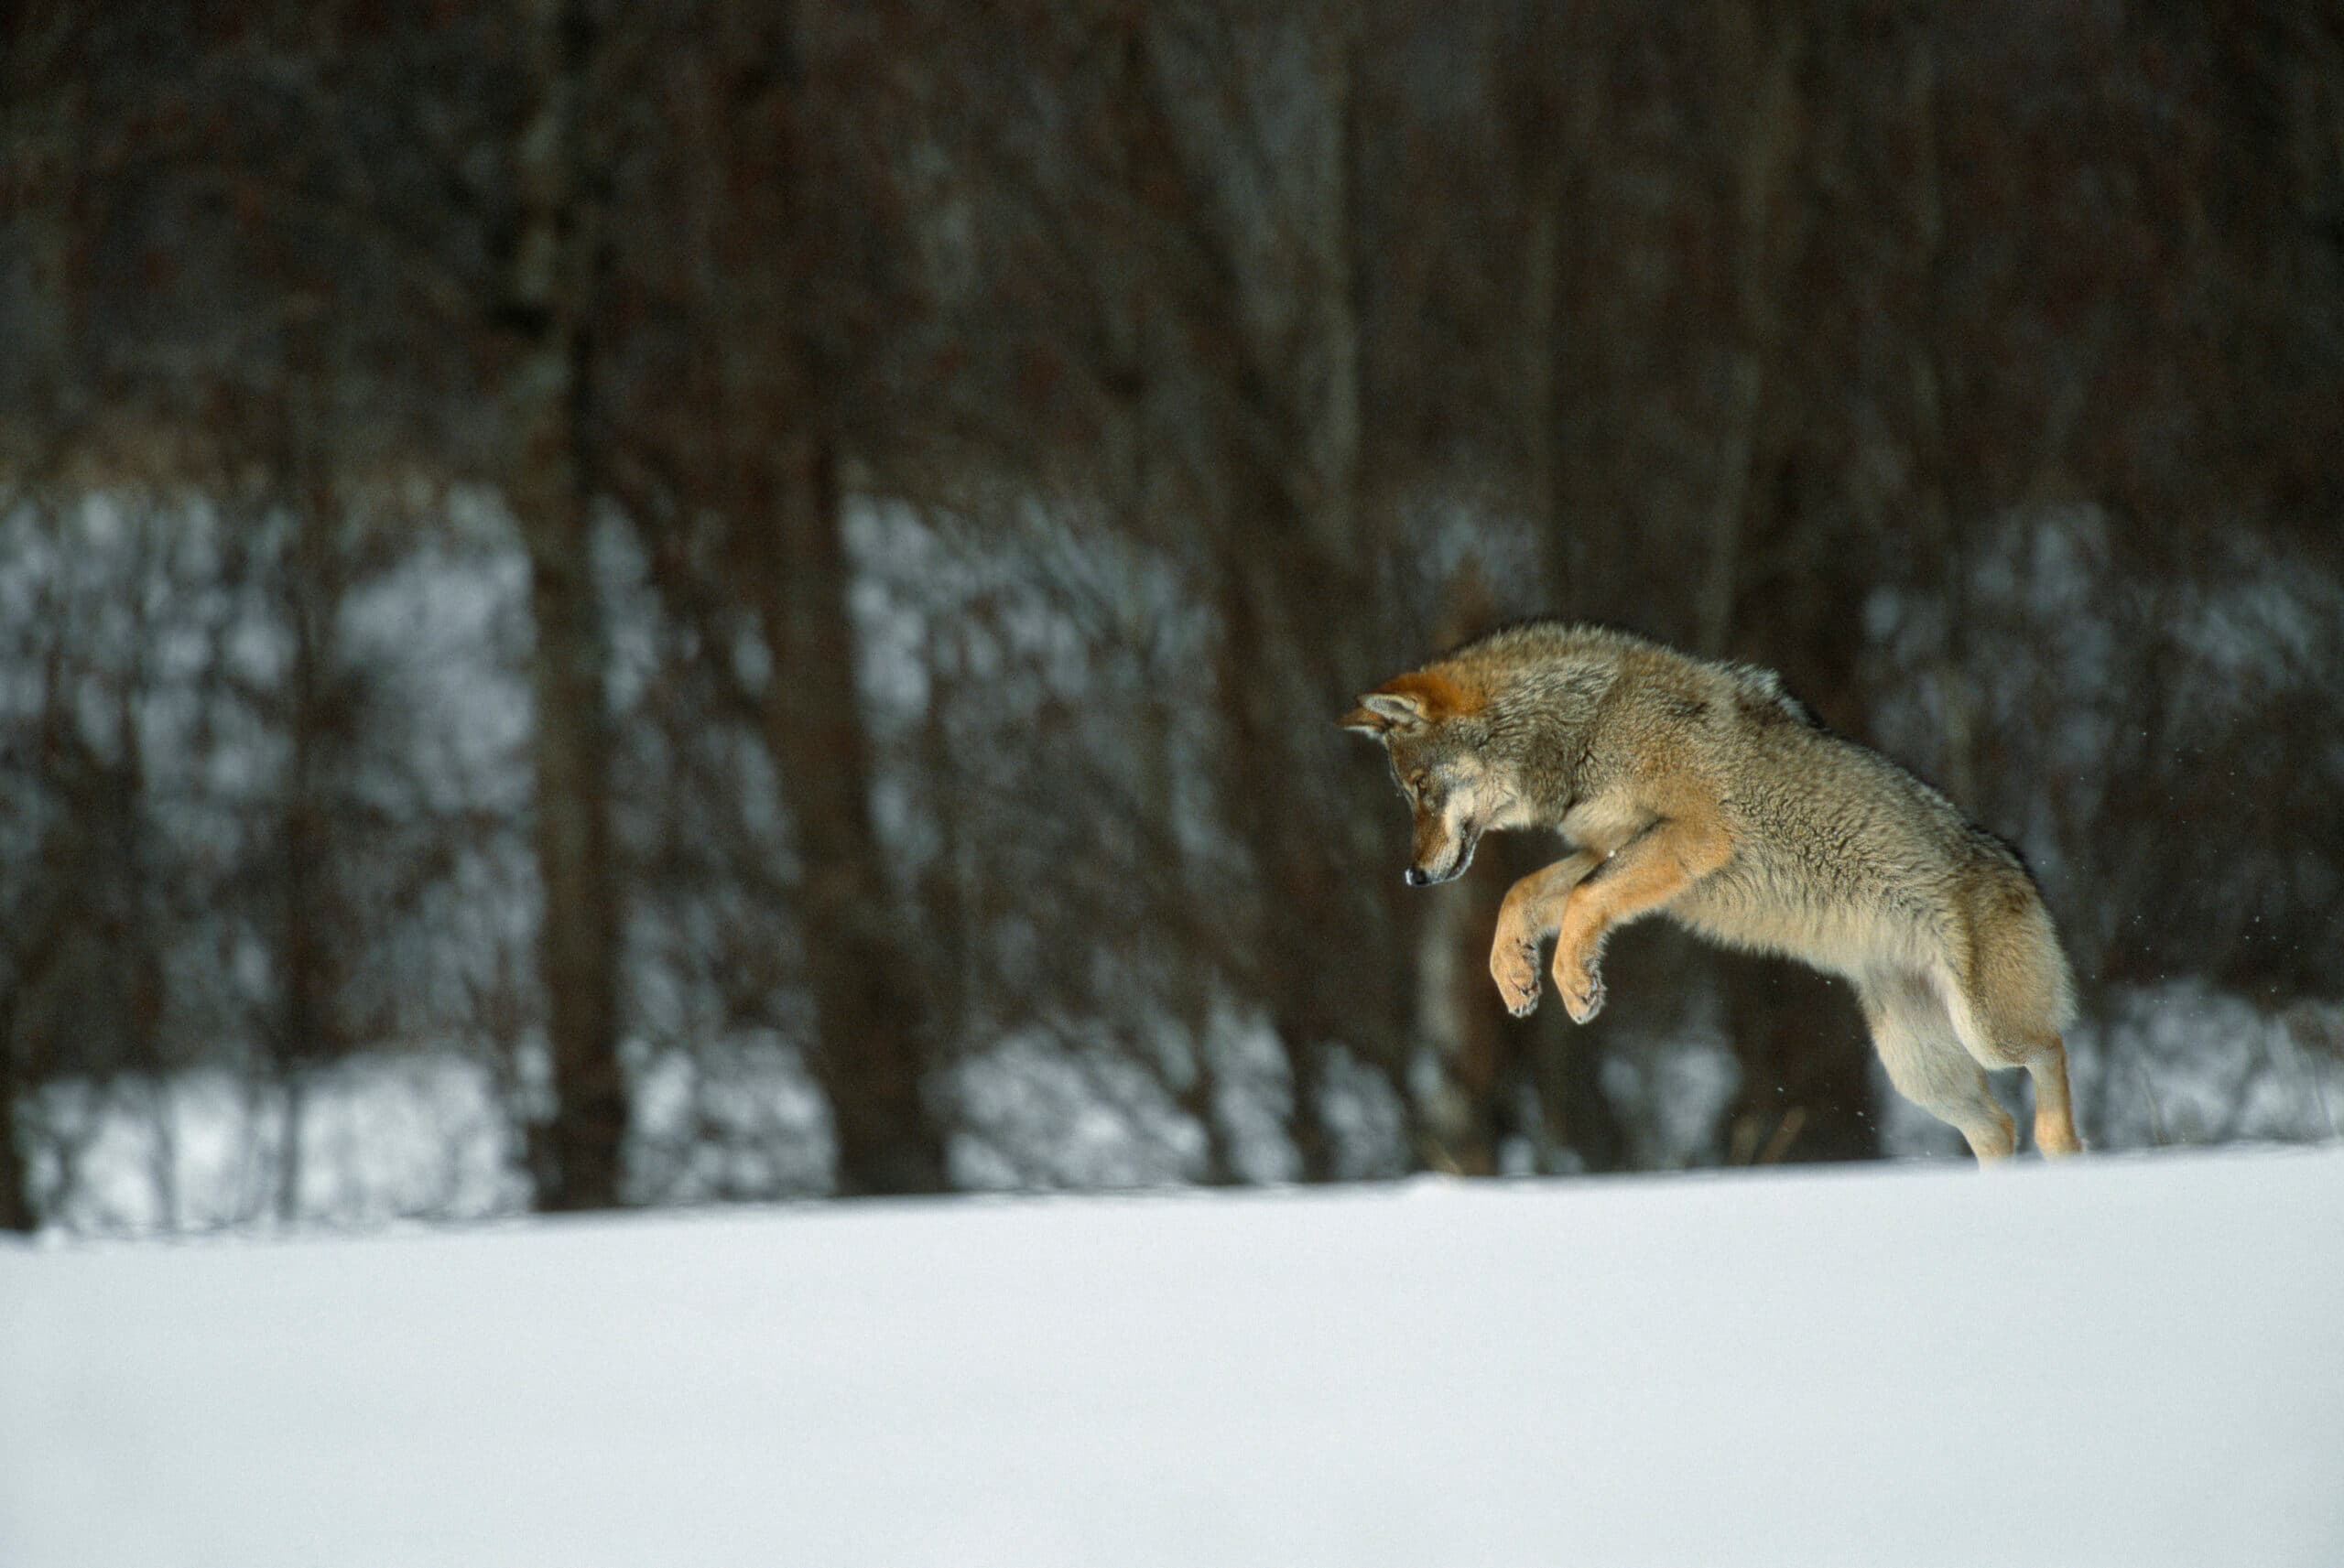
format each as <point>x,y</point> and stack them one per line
<point>546,309</point>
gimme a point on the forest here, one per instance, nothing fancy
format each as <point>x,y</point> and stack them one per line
<point>635,604</point>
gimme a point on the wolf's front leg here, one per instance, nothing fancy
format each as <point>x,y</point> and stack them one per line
<point>1638,877</point>
<point>1531,910</point>
<point>1577,979</point>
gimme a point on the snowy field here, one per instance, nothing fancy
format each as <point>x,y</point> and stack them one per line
<point>2128,1361</point>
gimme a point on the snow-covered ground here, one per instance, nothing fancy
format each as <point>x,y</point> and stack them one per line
<point>2127,1361</point>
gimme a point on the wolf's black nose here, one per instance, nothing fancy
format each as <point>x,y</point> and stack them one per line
<point>1415,877</point>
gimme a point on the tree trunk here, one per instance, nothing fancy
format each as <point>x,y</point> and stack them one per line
<point>578,1155</point>
<point>1807,1092</point>
<point>1580,1120</point>
<point>1297,591</point>
<point>1938,519</point>
<point>15,1170</point>
<point>872,1050</point>
<point>303,1024</point>
<point>1566,154</point>
<point>1566,1059</point>
<point>1807,1080</point>
<point>1460,1019</point>
<point>582,1147</point>
<point>1279,832</point>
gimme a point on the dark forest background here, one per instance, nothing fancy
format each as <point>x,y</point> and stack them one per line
<point>681,600</point>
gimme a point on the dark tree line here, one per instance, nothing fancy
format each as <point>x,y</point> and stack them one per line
<point>928,476</point>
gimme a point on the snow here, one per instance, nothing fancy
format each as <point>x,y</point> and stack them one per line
<point>2126,1360</point>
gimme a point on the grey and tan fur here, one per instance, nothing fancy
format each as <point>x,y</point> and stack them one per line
<point>1704,792</point>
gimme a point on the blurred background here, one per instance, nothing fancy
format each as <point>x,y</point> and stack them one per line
<point>635,604</point>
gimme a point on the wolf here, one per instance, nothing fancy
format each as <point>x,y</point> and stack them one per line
<point>1703,791</point>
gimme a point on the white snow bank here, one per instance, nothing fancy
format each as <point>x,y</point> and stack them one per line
<point>2128,1361</point>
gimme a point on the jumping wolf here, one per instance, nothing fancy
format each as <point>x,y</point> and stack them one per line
<point>1703,791</point>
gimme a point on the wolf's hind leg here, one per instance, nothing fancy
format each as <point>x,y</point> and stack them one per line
<point>1980,1118</point>
<point>2008,990</point>
<point>2004,1025</point>
<point>1929,1067</point>
<point>2055,1115</point>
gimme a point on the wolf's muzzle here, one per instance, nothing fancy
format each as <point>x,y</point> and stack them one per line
<point>1419,877</point>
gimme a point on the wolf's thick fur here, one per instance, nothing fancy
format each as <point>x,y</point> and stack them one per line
<point>1705,792</point>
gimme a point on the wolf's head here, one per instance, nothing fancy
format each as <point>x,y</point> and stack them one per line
<point>1433,725</point>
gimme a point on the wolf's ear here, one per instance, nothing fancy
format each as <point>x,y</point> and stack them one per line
<point>1411,702</point>
<point>1381,713</point>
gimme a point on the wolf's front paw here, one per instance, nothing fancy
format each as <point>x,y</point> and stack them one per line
<point>1581,988</point>
<point>1515,965</point>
